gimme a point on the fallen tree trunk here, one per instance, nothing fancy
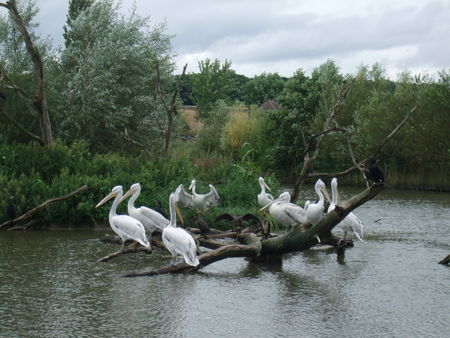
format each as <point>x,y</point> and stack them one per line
<point>250,248</point>
<point>253,247</point>
<point>298,240</point>
<point>37,209</point>
<point>445,261</point>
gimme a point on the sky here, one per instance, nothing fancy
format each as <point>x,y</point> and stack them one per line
<point>283,36</point>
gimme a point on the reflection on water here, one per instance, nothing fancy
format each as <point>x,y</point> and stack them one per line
<point>389,285</point>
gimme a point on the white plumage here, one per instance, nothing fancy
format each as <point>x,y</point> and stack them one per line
<point>202,202</point>
<point>288,214</point>
<point>263,197</point>
<point>315,211</point>
<point>178,241</point>
<point>151,219</point>
<point>126,227</point>
<point>350,222</point>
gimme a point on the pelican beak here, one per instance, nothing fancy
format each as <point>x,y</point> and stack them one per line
<point>267,187</point>
<point>269,204</point>
<point>107,198</point>
<point>128,193</point>
<point>179,214</point>
<point>325,192</point>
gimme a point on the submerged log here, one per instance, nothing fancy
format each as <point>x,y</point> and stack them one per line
<point>250,248</point>
<point>445,261</point>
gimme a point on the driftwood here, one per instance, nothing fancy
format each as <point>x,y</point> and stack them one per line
<point>255,247</point>
<point>445,261</point>
<point>26,226</point>
<point>132,248</point>
<point>37,209</point>
<point>252,248</point>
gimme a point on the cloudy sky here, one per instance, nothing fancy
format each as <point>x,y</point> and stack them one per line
<point>284,35</point>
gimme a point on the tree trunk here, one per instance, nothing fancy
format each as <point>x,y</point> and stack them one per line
<point>40,98</point>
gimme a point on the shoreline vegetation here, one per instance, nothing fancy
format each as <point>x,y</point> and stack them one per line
<point>107,109</point>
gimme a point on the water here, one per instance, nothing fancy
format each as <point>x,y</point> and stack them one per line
<point>51,284</point>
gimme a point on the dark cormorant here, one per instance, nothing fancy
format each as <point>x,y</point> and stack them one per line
<point>373,172</point>
<point>202,226</point>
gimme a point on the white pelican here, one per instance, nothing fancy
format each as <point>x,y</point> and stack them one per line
<point>315,211</point>
<point>350,222</point>
<point>288,214</point>
<point>202,202</point>
<point>263,197</point>
<point>150,218</point>
<point>178,241</point>
<point>126,227</point>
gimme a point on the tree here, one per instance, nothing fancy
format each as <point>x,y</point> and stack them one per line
<point>38,101</point>
<point>75,8</point>
<point>213,82</point>
<point>289,128</point>
<point>111,85</point>
<point>267,86</point>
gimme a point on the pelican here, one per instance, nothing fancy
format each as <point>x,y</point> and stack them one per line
<point>263,197</point>
<point>288,214</point>
<point>202,202</point>
<point>178,241</point>
<point>151,219</point>
<point>126,227</point>
<point>350,222</point>
<point>315,211</point>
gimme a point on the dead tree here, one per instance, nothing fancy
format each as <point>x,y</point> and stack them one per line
<point>169,107</point>
<point>312,148</point>
<point>37,101</point>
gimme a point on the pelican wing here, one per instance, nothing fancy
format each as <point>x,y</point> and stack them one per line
<point>179,242</point>
<point>296,212</point>
<point>183,197</point>
<point>212,197</point>
<point>155,217</point>
<point>128,227</point>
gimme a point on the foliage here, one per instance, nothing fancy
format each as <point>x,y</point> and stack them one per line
<point>109,79</point>
<point>267,86</point>
<point>214,82</point>
<point>75,9</point>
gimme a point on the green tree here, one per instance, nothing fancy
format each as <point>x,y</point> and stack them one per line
<point>110,80</point>
<point>75,8</point>
<point>289,128</point>
<point>267,86</point>
<point>213,82</point>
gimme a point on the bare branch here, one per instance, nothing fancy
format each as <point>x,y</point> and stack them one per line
<point>402,122</point>
<point>128,138</point>
<point>22,128</point>
<point>10,84</point>
<point>42,206</point>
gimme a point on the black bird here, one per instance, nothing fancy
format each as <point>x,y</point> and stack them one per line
<point>2,96</point>
<point>10,209</point>
<point>265,227</point>
<point>238,221</point>
<point>374,172</point>
<point>202,226</point>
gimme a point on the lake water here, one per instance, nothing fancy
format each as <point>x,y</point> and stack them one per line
<point>390,285</point>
